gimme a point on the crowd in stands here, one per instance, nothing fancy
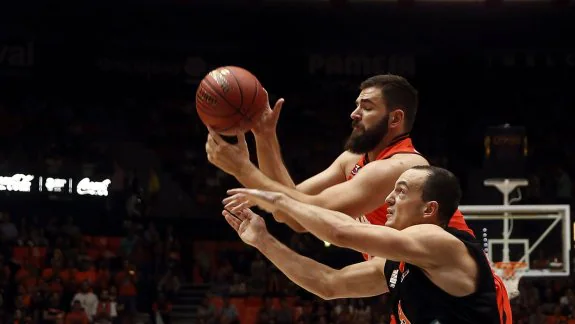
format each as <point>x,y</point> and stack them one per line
<point>52,273</point>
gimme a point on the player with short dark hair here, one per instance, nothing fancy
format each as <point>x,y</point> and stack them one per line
<point>434,272</point>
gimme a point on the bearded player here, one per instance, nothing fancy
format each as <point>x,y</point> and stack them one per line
<point>357,182</point>
<point>378,150</point>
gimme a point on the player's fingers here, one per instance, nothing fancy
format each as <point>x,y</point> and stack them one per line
<point>232,204</point>
<point>240,207</point>
<point>248,213</point>
<point>239,215</point>
<point>242,139</point>
<point>237,197</point>
<point>215,136</point>
<point>243,191</point>
<point>232,220</point>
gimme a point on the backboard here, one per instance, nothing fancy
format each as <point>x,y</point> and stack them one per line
<point>535,232</point>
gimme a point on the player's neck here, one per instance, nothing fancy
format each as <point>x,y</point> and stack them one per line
<point>389,138</point>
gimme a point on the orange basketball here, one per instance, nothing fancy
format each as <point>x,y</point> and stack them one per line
<point>229,99</point>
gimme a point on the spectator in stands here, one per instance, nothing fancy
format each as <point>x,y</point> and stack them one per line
<point>258,275</point>
<point>284,313</point>
<point>266,314</point>
<point>207,312</point>
<point>127,243</point>
<point>70,229</point>
<point>127,280</point>
<point>88,300</point>
<point>238,287</point>
<point>162,309</point>
<point>362,312</point>
<point>8,234</point>
<point>77,315</point>
<point>105,311</point>
<point>53,312</point>
<point>229,313</point>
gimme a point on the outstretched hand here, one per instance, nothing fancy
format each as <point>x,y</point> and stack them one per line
<point>268,120</point>
<point>242,198</point>
<point>230,158</point>
<point>250,226</point>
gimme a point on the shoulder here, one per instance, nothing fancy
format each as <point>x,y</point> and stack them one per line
<point>396,164</point>
<point>431,232</point>
<point>348,157</point>
<point>439,244</point>
<point>347,161</point>
<point>411,159</point>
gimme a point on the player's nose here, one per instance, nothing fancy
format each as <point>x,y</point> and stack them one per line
<point>355,114</point>
<point>390,200</point>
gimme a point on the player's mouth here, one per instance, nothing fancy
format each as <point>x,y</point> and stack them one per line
<point>356,125</point>
<point>389,213</point>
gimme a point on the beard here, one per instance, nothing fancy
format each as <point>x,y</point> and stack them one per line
<point>363,140</point>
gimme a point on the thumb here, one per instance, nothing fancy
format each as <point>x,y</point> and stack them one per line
<point>278,109</point>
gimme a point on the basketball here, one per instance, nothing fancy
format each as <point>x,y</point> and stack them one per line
<point>229,99</point>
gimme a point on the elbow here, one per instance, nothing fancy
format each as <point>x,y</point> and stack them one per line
<point>279,217</point>
<point>328,288</point>
<point>327,297</point>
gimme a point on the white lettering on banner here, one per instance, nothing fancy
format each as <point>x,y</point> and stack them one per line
<point>17,182</point>
<point>55,184</point>
<point>17,55</point>
<point>361,65</point>
<point>93,188</point>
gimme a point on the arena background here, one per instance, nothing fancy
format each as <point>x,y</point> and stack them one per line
<point>105,90</point>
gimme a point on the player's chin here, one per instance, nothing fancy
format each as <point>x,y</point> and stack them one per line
<point>389,222</point>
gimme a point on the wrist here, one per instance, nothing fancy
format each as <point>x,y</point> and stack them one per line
<point>264,135</point>
<point>264,242</point>
<point>245,169</point>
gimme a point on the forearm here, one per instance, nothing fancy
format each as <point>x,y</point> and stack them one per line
<point>306,273</point>
<point>323,223</point>
<point>270,160</point>
<point>271,164</point>
<point>251,177</point>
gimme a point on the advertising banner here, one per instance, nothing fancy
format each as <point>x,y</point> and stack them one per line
<point>28,183</point>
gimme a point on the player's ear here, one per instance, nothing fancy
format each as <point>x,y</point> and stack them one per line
<point>396,117</point>
<point>431,209</point>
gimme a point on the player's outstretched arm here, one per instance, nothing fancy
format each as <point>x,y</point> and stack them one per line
<point>360,195</point>
<point>359,280</point>
<point>422,245</point>
<point>363,193</point>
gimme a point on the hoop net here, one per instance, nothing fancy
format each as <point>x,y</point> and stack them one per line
<point>511,273</point>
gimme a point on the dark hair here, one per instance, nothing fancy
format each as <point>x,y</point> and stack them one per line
<point>441,186</point>
<point>397,93</point>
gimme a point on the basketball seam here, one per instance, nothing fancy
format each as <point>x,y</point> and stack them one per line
<point>205,108</point>
<point>224,98</point>
<point>239,88</point>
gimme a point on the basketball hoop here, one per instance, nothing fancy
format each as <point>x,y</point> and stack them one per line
<point>511,273</point>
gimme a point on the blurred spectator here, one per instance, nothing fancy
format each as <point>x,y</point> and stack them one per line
<point>77,315</point>
<point>162,309</point>
<point>88,300</point>
<point>105,311</point>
